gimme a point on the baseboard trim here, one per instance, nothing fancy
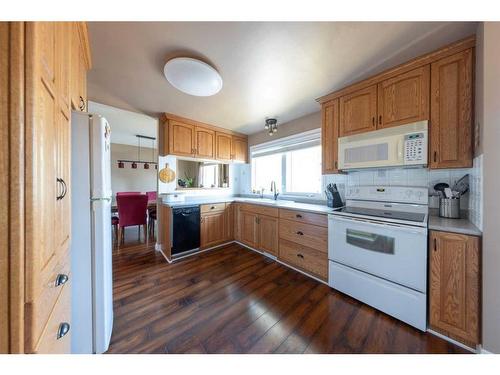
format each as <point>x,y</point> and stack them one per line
<point>484,351</point>
<point>200,251</point>
<point>455,342</point>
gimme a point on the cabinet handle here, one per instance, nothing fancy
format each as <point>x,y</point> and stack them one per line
<point>61,279</point>
<point>300,256</point>
<point>435,245</point>
<point>59,196</point>
<point>336,164</point>
<point>435,156</point>
<point>65,188</point>
<point>373,121</point>
<point>300,233</point>
<point>63,330</point>
<point>298,216</point>
<point>380,120</point>
<point>212,208</point>
<point>82,104</point>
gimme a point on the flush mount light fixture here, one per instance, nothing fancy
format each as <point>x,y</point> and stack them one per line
<point>192,76</point>
<point>271,125</point>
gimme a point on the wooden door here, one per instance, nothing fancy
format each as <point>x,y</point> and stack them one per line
<point>223,146</point>
<point>268,234</point>
<point>329,136</point>
<point>212,229</point>
<point>451,111</point>
<point>205,143</point>
<point>239,149</point>
<point>404,99</point>
<point>229,225</point>
<point>64,30</point>
<point>358,111</point>
<point>454,285</point>
<point>249,229</point>
<point>181,138</point>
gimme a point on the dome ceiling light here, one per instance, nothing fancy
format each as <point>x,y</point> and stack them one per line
<point>192,76</point>
<point>271,125</point>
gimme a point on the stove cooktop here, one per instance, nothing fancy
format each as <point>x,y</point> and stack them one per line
<point>395,215</point>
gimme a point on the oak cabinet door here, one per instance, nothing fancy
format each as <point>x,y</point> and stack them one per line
<point>205,143</point>
<point>63,43</point>
<point>249,229</point>
<point>212,229</point>
<point>404,99</point>
<point>358,111</point>
<point>237,221</point>
<point>329,136</point>
<point>181,138</point>
<point>223,146</point>
<point>451,111</point>
<point>229,225</point>
<point>239,149</point>
<point>75,67</point>
<point>454,285</point>
<point>268,234</point>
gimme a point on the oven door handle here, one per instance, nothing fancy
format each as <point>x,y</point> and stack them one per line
<point>406,228</point>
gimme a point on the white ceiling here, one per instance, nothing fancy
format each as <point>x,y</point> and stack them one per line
<point>268,68</point>
<point>125,125</point>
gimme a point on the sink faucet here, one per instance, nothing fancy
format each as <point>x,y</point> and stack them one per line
<point>273,190</point>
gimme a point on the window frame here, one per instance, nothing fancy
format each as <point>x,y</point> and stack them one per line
<point>310,138</point>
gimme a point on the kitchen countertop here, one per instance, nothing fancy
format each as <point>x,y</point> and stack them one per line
<point>316,208</point>
<point>462,226</point>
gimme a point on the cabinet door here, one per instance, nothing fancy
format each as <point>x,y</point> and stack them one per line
<point>75,66</point>
<point>181,138</point>
<point>454,285</point>
<point>223,146</point>
<point>404,99</point>
<point>358,111</point>
<point>249,229</point>
<point>451,111</point>
<point>212,229</point>
<point>205,143</point>
<point>239,149</point>
<point>229,225</point>
<point>63,43</point>
<point>329,136</point>
<point>268,234</point>
<point>237,221</point>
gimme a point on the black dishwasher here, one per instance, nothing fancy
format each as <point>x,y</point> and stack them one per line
<point>186,229</point>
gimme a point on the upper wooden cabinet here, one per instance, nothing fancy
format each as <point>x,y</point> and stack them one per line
<point>239,149</point>
<point>79,64</point>
<point>451,111</point>
<point>437,87</point>
<point>183,137</point>
<point>358,111</point>
<point>454,286</point>
<point>329,136</point>
<point>404,98</point>
<point>223,146</point>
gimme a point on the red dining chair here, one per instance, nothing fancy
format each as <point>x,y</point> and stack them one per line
<point>128,193</point>
<point>131,212</point>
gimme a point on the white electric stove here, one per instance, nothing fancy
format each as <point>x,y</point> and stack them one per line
<point>377,250</point>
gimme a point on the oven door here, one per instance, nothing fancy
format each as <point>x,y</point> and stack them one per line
<point>394,252</point>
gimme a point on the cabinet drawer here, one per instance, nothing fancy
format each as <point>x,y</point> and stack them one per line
<point>260,209</point>
<point>305,234</point>
<point>305,258</point>
<point>304,217</point>
<point>215,207</point>
<point>61,314</point>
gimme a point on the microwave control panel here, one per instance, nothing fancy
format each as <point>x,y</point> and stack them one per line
<point>414,147</point>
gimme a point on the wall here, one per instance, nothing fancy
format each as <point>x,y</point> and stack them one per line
<point>302,124</point>
<point>489,111</point>
<point>128,179</point>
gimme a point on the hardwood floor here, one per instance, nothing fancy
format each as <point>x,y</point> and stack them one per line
<point>233,300</point>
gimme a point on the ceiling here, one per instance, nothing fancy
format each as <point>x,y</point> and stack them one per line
<point>125,125</point>
<point>269,68</point>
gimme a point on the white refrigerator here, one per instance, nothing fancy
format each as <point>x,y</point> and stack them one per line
<point>91,245</point>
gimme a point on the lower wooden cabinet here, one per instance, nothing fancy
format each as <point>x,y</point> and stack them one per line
<point>454,286</point>
<point>268,234</point>
<point>212,229</point>
<point>249,230</point>
<point>259,231</point>
<point>303,257</point>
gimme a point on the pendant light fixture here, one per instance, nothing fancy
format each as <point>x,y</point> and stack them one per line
<point>271,125</point>
<point>121,164</point>
<point>134,163</point>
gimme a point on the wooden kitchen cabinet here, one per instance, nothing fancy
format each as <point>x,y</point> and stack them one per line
<point>358,111</point>
<point>249,230</point>
<point>79,64</point>
<point>268,234</point>
<point>404,99</point>
<point>181,138</point>
<point>451,111</point>
<point>223,146</point>
<point>454,286</point>
<point>329,136</point>
<point>239,149</point>
<point>229,224</point>
<point>205,143</point>
<point>212,230</point>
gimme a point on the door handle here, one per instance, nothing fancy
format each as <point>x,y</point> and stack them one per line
<point>63,330</point>
<point>380,120</point>
<point>65,188</point>
<point>59,196</point>
<point>373,121</point>
<point>82,104</point>
<point>61,279</point>
<point>435,245</point>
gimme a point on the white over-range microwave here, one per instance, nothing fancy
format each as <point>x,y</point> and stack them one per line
<point>400,146</point>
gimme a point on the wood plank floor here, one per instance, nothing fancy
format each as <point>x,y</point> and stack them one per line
<point>233,300</point>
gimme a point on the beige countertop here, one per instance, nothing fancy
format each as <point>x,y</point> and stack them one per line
<point>463,226</point>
